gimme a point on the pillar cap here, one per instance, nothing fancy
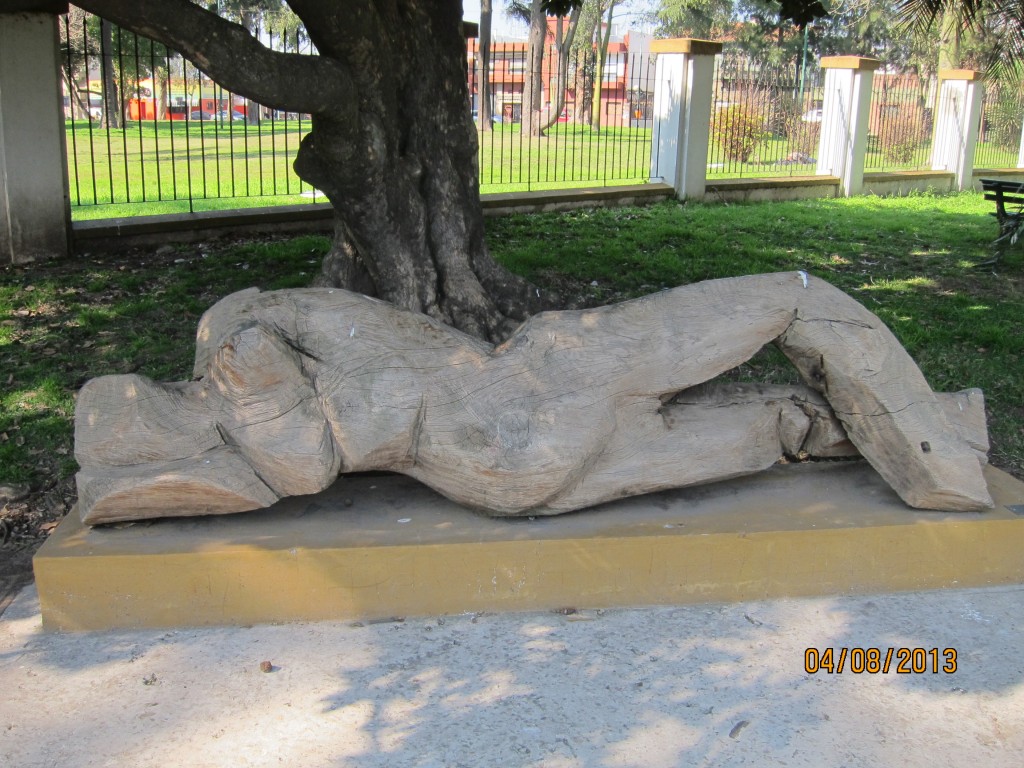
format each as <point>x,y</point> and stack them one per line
<point>850,62</point>
<point>689,45</point>
<point>959,74</point>
<point>470,30</point>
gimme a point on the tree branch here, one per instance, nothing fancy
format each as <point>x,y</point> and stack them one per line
<point>229,54</point>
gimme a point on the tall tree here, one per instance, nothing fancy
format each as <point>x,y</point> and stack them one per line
<point>999,24</point>
<point>484,61</point>
<point>392,143</point>
<point>111,101</point>
<point>565,33</point>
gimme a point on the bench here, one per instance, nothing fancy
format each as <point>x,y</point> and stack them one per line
<point>1006,194</point>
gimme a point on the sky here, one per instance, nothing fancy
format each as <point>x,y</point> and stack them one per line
<point>502,26</point>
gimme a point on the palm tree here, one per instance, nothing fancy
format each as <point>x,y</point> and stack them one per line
<point>1002,19</point>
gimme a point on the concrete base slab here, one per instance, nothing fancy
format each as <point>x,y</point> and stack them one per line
<point>374,547</point>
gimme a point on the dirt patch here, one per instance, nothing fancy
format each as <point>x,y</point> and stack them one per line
<point>26,518</point>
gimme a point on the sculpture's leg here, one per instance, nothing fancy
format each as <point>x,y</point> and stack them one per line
<point>679,445</point>
<point>738,428</point>
<point>659,345</point>
<point>878,392</point>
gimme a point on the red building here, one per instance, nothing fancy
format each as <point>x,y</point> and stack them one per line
<point>627,80</point>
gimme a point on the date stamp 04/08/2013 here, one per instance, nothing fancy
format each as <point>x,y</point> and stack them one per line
<point>873,661</point>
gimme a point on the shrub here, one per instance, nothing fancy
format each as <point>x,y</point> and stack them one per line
<point>737,130</point>
<point>901,132</point>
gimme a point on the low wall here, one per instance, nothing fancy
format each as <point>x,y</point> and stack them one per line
<point>102,234</point>
<point>106,234</point>
<point>1002,174</point>
<point>902,183</point>
<point>770,189</point>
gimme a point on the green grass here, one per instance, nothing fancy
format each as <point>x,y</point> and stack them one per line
<point>148,163</point>
<point>63,323</point>
<point>148,168</point>
<point>909,260</point>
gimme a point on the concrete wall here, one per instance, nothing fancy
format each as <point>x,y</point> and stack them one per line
<point>771,190</point>
<point>907,182</point>
<point>34,205</point>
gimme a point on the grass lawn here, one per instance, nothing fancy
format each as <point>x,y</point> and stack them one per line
<point>149,167</point>
<point>908,260</point>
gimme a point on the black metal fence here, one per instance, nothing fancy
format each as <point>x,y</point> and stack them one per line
<point>900,121</point>
<point>765,120</point>
<point>148,132</point>
<point>1002,123</point>
<point>578,133</point>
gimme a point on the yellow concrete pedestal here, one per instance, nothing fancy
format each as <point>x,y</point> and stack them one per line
<point>382,546</point>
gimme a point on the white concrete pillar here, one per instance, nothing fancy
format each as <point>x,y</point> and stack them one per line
<point>34,208</point>
<point>957,118</point>
<point>683,92</point>
<point>1020,152</point>
<point>845,109</point>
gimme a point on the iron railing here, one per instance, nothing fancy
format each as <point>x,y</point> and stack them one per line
<point>592,136</point>
<point>900,120</point>
<point>765,120</point>
<point>999,133</point>
<point>147,131</point>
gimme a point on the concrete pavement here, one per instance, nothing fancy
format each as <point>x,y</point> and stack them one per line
<point>718,684</point>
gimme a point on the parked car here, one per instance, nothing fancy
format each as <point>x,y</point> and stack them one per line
<point>200,114</point>
<point>812,115</point>
<point>235,115</point>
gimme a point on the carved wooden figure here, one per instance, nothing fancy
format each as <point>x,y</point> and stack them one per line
<point>576,408</point>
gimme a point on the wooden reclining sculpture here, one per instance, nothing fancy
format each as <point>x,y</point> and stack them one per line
<point>576,408</point>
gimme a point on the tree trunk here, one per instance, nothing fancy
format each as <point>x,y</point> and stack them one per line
<point>484,81</point>
<point>562,47</point>
<point>602,57</point>
<point>583,85</point>
<point>949,39</point>
<point>161,90</point>
<point>392,144</point>
<point>583,45</point>
<point>403,179</point>
<point>111,105</point>
<point>533,87</point>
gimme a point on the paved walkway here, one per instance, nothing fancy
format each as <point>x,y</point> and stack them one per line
<point>719,685</point>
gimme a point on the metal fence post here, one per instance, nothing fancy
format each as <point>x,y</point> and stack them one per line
<point>684,81</point>
<point>34,208</point>
<point>845,111</point>
<point>956,124</point>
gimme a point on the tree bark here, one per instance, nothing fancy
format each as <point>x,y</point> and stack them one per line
<point>533,87</point>
<point>563,44</point>
<point>111,102</point>
<point>484,80</point>
<point>392,144</point>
